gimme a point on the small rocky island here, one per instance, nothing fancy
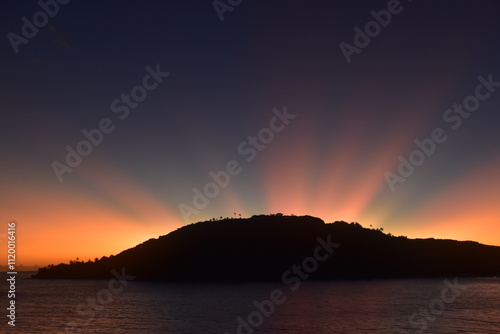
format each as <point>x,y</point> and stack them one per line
<point>278,247</point>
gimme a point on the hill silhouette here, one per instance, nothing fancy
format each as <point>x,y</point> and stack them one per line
<point>262,248</point>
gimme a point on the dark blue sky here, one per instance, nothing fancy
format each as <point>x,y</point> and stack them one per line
<point>352,121</point>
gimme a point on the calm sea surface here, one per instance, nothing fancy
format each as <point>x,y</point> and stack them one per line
<point>390,306</point>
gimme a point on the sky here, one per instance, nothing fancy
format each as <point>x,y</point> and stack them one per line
<point>384,113</point>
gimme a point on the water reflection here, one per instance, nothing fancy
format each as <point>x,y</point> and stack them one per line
<point>46,306</point>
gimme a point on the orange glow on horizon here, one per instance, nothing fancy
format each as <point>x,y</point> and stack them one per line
<point>65,224</point>
<point>468,210</point>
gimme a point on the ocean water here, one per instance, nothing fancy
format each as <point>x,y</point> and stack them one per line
<point>379,306</point>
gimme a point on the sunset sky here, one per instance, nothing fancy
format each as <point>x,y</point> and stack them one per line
<point>348,121</point>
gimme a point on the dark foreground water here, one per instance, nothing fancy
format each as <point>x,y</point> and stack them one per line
<point>391,306</point>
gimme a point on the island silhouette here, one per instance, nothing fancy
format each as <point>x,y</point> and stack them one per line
<point>267,247</point>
